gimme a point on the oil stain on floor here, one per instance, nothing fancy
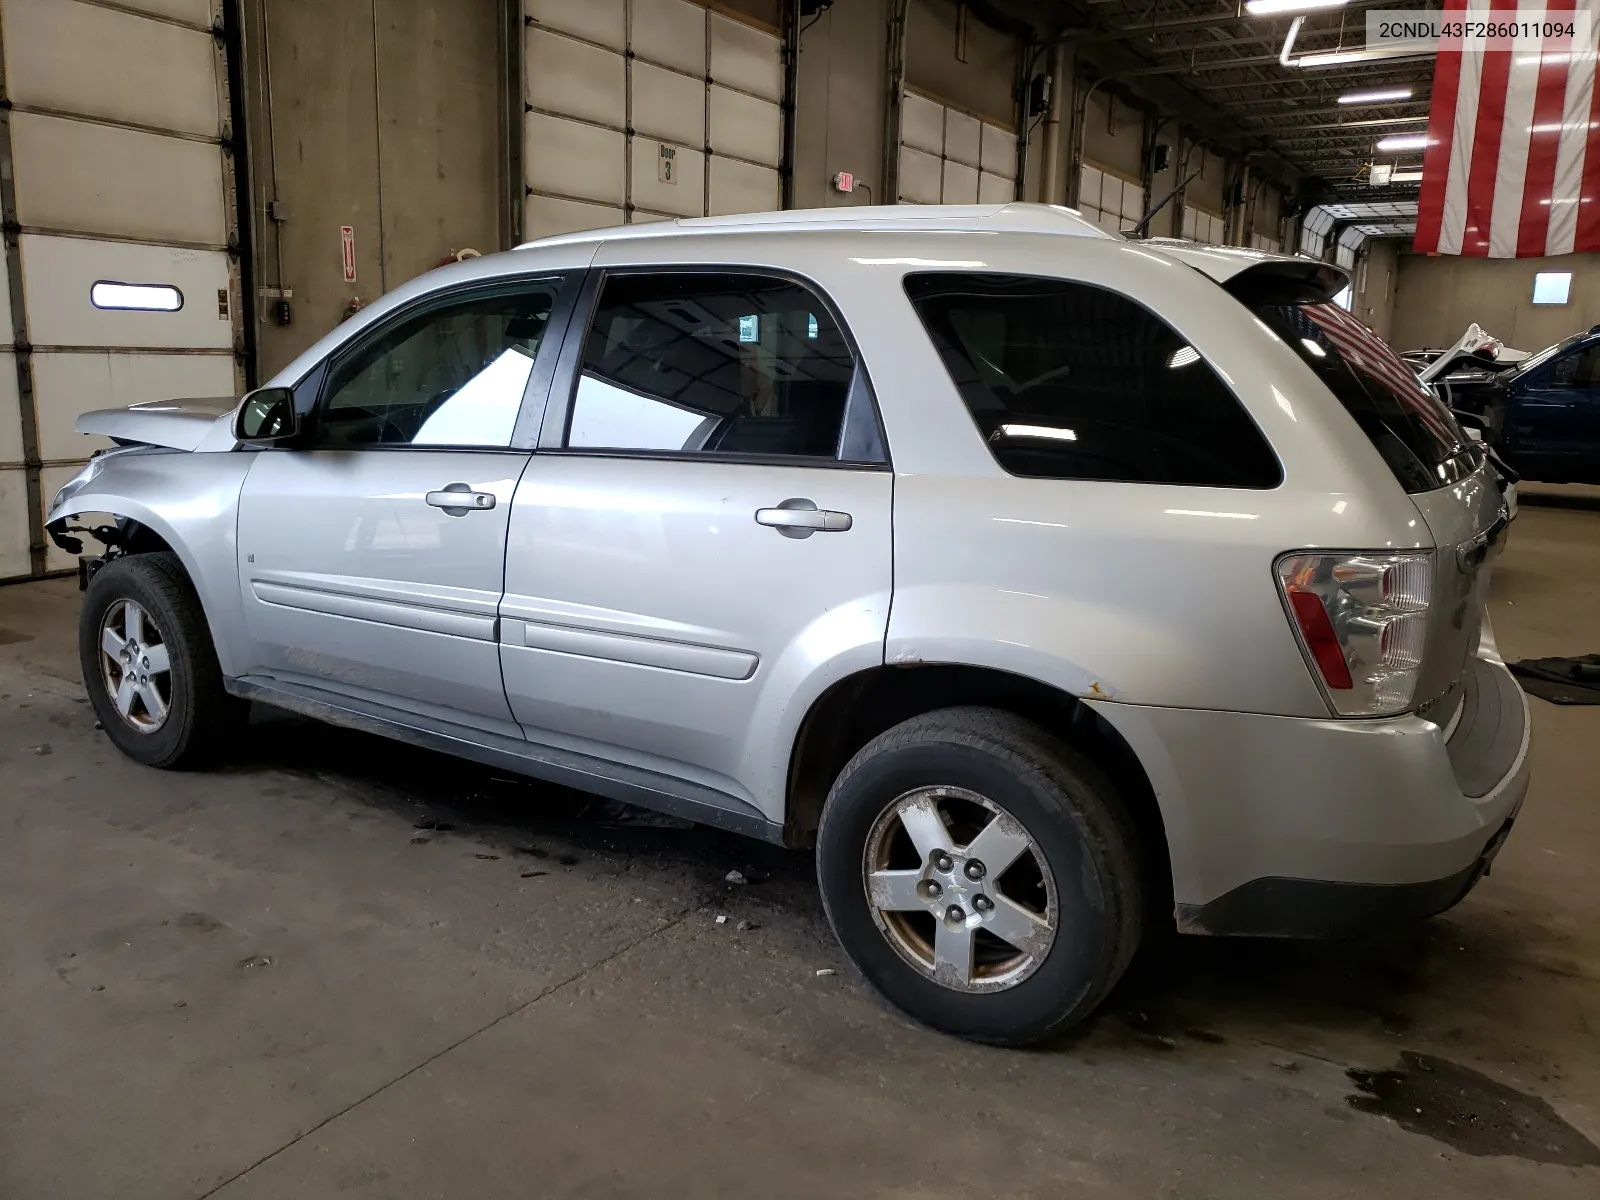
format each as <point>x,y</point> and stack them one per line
<point>1470,1112</point>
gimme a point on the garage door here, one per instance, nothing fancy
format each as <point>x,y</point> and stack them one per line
<point>1110,200</point>
<point>1202,226</point>
<point>644,109</point>
<point>950,157</point>
<point>121,287</point>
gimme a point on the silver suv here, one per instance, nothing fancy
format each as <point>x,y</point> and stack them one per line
<point>1048,583</point>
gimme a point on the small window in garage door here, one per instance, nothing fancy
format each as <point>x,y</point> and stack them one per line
<point>639,110</point>
<point>118,131</point>
<point>951,157</point>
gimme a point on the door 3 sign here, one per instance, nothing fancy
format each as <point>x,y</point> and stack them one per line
<point>347,249</point>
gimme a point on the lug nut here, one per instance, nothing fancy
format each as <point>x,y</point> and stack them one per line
<point>944,862</point>
<point>974,869</point>
<point>954,913</point>
<point>934,890</point>
<point>146,663</point>
<point>983,904</point>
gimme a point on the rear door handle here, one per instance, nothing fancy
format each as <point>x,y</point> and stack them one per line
<point>800,518</point>
<point>458,499</point>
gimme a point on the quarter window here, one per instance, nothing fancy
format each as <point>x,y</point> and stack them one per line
<point>719,364</point>
<point>453,376</point>
<point>1070,381</point>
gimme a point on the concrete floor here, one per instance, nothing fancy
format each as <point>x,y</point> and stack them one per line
<point>269,982</point>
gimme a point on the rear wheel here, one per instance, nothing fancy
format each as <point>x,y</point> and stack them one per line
<point>149,665</point>
<point>982,875</point>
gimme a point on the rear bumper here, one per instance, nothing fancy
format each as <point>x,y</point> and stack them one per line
<point>1281,826</point>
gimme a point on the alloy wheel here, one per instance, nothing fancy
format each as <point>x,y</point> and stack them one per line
<point>135,666</point>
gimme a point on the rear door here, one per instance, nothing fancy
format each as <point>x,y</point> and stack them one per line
<point>372,552</point>
<point>1553,428</point>
<point>703,541</point>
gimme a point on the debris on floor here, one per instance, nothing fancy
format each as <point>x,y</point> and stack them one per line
<point>43,749</point>
<point>487,857</point>
<point>821,971</point>
<point>722,920</point>
<point>736,878</point>
<point>533,874</point>
<point>1561,680</point>
<point>435,824</point>
<point>746,926</point>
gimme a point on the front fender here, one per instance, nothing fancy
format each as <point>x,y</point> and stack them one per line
<point>191,502</point>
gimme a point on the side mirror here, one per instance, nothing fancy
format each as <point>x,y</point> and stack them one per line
<point>266,417</point>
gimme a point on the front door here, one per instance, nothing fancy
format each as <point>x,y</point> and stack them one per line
<point>372,552</point>
<point>703,542</point>
<point>1553,425</point>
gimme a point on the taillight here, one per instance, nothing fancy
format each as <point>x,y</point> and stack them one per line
<point>1363,621</point>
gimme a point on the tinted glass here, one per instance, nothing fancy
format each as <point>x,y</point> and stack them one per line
<point>1070,381</point>
<point>1410,427</point>
<point>450,377</point>
<point>712,364</point>
<point>1580,369</point>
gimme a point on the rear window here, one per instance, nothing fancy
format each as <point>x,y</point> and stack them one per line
<point>1413,431</point>
<point>1070,381</point>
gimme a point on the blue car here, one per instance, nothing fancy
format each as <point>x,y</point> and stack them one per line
<point>1541,414</point>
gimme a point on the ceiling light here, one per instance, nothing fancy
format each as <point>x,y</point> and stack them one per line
<point>1376,97</point>
<point>1406,177</point>
<point>1381,121</point>
<point>1272,8</point>
<point>1403,141</point>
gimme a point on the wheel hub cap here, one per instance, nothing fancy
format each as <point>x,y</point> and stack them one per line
<point>135,666</point>
<point>960,889</point>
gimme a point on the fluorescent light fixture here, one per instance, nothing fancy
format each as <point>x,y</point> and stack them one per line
<point>1376,97</point>
<point>1552,287</point>
<point>1403,141</point>
<point>137,297</point>
<point>1406,177</point>
<point>1382,121</point>
<point>1183,356</point>
<point>1048,432</point>
<point>1272,8</point>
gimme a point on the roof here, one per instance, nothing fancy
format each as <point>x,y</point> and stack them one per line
<point>1011,218</point>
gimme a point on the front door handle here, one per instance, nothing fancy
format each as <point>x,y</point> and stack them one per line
<point>458,499</point>
<point>800,518</point>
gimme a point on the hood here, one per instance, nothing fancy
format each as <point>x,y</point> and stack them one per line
<point>1475,348</point>
<point>177,424</point>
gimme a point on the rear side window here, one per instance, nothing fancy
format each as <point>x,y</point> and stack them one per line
<point>1413,431</point>
<point>720,364</point>
<point>1071,381</point>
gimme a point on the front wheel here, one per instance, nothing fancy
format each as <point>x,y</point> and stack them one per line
<point>149,665</point>
<point>982,874</point>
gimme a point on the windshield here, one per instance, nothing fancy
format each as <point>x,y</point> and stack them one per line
<point>1407,424</point>
<point>1546,354</point>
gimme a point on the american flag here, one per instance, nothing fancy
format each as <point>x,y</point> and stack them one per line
<point>1512,166</point>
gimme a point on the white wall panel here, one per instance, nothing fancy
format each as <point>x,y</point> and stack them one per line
<point>922,124</point>
<point>962,139</point>
<point>1089,187</point>
<point>746,58</point>
<point>960,183</point>
<point>999,154</point>
<point>81,58</point>
<point>686,197</point>
<point>920,176</point>
<point>576,79</point>
<point>574,159</point>
<point>603,21</point>
<point>995,189</point>
<point>89,178</point>
<point>543,216</point>
<point>58,273</point>
<point>671,33</point>
<point>1132,201</point>
<point>746,127</point>
<point>10,412</point>
<point>196,12</point>
<point>740,187</point>
<point>65,385</point>
<point>668,105</point>
<point>14,559</point>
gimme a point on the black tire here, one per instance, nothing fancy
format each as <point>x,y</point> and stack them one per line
<point>200,713</point>
<point>1066,806</point>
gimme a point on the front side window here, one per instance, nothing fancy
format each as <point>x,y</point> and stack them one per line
<point>1070,381</point>
<point>716,364</point>
<point>1580,369</point>
<point>452,376</point>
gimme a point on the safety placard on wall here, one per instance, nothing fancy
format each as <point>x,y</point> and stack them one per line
<point>347,247</point>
